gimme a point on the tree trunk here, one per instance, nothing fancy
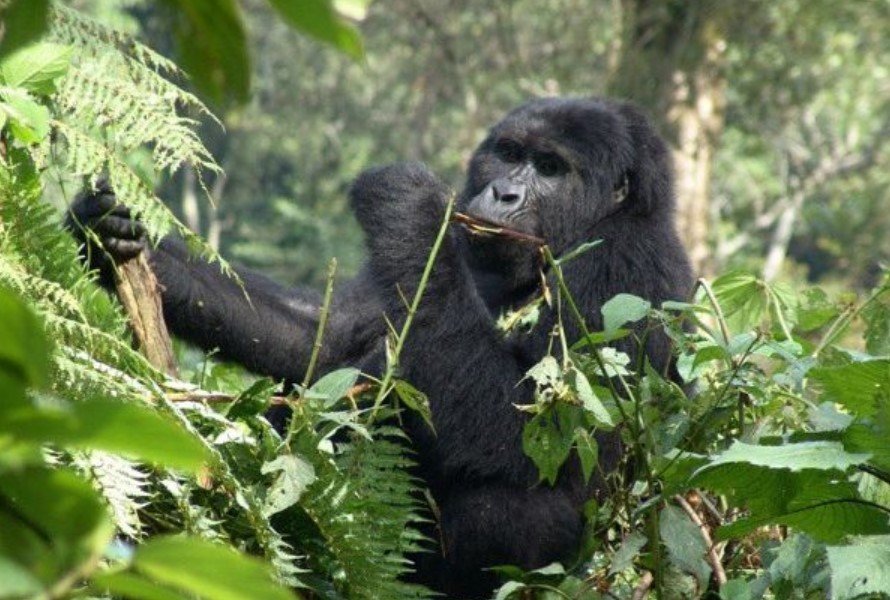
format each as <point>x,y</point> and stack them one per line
<point>672,64</point>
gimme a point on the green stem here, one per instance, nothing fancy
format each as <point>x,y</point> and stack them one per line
<point>843,321</point>
<point>393,363</point>
<point>293,427</point>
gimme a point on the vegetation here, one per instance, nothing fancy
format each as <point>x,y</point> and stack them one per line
<point>768,476</point>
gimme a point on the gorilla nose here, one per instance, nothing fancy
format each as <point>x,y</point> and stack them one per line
<point>507,192</point>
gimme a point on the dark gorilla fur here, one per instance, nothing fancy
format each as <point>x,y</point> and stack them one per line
<point>566,170</point>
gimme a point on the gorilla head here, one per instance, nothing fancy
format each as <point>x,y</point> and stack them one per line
<point>553,169</point>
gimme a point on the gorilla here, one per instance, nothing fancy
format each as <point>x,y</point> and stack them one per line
<point>565,170</point>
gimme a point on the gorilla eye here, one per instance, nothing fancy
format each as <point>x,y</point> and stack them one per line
<point>550,165</point>
<point>509,151</point>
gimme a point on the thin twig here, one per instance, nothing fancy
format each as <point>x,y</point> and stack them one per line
<point>642,588</point>
<point>477,226</point>
<point>713,556</point>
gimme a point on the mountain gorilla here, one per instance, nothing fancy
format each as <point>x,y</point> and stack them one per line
<point>564,170</point>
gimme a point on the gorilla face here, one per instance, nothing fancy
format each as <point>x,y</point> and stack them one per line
<point>553,169</point>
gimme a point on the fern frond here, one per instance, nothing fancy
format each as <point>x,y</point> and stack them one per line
<point>365,504</point>
<point>123,485</point>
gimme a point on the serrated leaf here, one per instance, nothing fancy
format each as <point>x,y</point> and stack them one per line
<point>623,308</point>
<point>860,568</point>
<point>685,544</point>
<point>334,386</point>
<point>589,400</point>
<point>294,475</point>
<point>28,119</point>
<point>207,570</point>
<point>795,457</point>
<point>36,68</point>
<point>821,503</point>
<point>548,438</point>
<point>630,548</point>
<point>546,372</point>
<point>857,386</point>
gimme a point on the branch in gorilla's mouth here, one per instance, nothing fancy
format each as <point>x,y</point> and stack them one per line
<point>482,227</point>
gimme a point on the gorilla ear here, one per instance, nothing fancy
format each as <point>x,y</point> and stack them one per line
<point>649,180</point>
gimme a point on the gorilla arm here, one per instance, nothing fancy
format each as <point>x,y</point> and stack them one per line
<point>266,327</point>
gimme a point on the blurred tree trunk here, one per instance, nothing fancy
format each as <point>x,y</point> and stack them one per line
<point>671,62</point>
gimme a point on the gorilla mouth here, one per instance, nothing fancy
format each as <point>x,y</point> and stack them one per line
<point>485,228</point>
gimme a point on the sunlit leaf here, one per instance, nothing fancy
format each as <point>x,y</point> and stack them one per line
<point>294,475</point>
<point>319,19</point>
<point>207,570</point>
<point>36,68</point>
<point>24,21</point>
<point>861,568</point>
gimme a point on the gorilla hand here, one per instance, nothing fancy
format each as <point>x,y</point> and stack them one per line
<point>401,208</point>
<point>105,227</point>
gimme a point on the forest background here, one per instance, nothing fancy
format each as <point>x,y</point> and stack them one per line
<point>778,113</point>
<point>120,480</point>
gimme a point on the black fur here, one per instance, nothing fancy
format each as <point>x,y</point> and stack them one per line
<point>567,170</point>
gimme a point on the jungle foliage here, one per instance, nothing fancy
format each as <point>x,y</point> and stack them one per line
<point>767,476</point>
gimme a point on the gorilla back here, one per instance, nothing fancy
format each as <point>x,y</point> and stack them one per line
<point>564,170</point>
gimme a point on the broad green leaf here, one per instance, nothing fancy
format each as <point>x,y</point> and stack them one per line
<point>16,581</point>
<point>861,568</point>
<point>548,438</point>
<point>319,19</point>
<point>212,47</point>
<point>742,297</point>
<point>877,326</point>
<point>27,119</point>
<point>23,22</point>
<point>206,570</point>
<point>252,401</point>
<point>795,457</point>
<point>24,351</point>
<point>36,68</point>
<point>128,429</point>
<point>294,475</point>
<point>736,589</point>
<point>125,584</point>
<point>685,544</point>
<point>623,308</point>
<point>815,310</point>
<point>589,400</point>
<point>508,589</point>
<point>415,400</point>
<point>546,372</point>
<point>624,556</point>
<point>334,386</point>
<point>858,387</point>
<point>59,521</point>
<point>816,502</point>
